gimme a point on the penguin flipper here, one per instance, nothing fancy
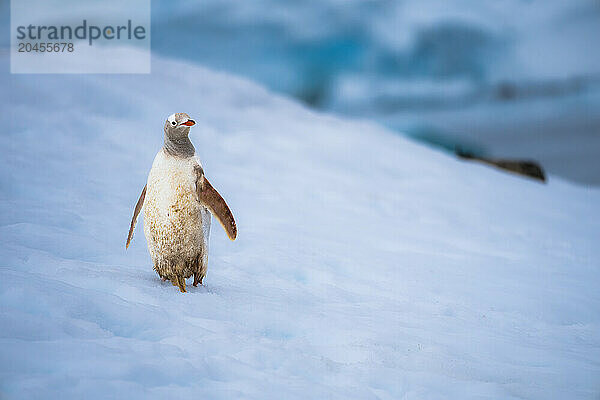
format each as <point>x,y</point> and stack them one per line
<point>211,199</point>
<point>134,218</point>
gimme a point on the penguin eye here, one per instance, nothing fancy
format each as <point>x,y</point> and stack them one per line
<point>173,123</point>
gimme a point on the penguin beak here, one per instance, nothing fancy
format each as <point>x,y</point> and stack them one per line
<point>189,122</point>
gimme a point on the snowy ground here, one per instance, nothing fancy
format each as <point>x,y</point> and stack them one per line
<point>366,267</point>
<point>512,78</point>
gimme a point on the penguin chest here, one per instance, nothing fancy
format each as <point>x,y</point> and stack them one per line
<point>172,213</point>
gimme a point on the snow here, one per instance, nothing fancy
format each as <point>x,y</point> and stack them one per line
<point>414,66</point>
<point>366,267</point>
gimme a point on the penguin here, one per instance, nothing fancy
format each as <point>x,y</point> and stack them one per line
<point>178,201</point>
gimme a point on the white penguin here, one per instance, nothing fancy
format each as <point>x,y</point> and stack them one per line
<point>178,201</point>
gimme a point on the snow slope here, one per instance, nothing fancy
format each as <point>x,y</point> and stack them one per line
<point>366,267</point>
<point>510,79</point>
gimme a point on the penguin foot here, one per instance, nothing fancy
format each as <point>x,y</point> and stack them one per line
<point>181,284</point>
<point>198,279</point>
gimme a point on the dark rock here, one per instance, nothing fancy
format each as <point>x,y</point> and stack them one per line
<point>528,168</point>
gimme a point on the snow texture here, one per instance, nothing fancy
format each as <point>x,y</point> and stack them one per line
<point>509,79</point>
<point>366,266</point>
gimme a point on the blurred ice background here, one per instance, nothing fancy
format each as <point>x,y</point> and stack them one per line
<point>511,78</point>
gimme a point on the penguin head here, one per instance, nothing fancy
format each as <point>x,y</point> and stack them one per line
<point>178,125</point>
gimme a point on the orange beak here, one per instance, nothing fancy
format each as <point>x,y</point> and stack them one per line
<point>189,122</point>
